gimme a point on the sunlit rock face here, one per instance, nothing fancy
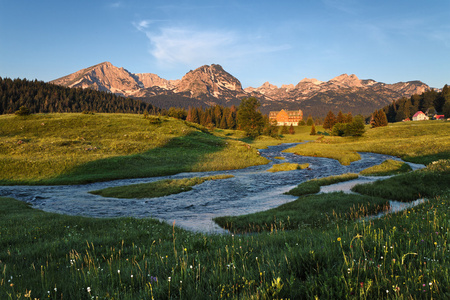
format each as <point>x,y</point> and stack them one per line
<point>211,85</point>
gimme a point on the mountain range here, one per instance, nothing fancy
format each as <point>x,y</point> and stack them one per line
<point>209,85</point>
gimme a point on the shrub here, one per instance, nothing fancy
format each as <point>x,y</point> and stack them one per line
<point>23,111</point>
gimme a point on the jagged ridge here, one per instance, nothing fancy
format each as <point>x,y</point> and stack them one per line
<point>211,84</point>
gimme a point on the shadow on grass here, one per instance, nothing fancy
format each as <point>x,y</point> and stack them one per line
<point>180,154</point>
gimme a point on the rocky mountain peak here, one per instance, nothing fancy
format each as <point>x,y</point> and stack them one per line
<point>268,85</point>
<point>102,77</point>
<point>210,80</point>
<point>211,84</point>
<point>311,80</point>
<point>345,80</point>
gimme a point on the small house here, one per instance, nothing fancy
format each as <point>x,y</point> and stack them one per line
<point>419,116</point>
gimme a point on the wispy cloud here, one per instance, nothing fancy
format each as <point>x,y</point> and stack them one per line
<point>172,46</point>
<point>116,4</point>
<point>142,25</point>
<point>347,6</point>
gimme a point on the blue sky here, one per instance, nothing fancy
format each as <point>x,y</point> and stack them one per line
<point>256,41</point>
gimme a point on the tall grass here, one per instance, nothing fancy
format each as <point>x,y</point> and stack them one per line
<point>309,211</point>
<point>53,256</point>
<point>430,182</point>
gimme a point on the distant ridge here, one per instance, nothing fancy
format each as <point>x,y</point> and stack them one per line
<point>210,85</point>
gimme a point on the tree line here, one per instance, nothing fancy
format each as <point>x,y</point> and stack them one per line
<point>246,117</point>
<point>429,102</point>
<point>41,97</point>
<point>22,96</point>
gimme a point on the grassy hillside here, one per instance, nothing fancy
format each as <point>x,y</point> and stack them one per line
<point>80,148</point>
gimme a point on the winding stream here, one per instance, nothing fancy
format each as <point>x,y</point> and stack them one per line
<point>250,190</point>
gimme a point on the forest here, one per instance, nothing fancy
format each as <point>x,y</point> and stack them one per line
<point>42,97</point>
<point>430,102</point>
<point>22,96</point>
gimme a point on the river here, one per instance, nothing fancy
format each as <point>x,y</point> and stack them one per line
<point>250,190</point>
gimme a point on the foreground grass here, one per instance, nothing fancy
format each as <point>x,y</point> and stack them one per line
<point>430,182</point>
<point>52,256</point>
<point>313,186</point>
<point>287,167</point>
<point>387,168</point>
<point>418,142</point>
<point>314,210</point>
<point>156,189</point>
<point>78,148</point>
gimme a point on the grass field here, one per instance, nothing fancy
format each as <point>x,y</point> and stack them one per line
<point>313,248</point>
<point>418,142</point>
<point>79,148</point>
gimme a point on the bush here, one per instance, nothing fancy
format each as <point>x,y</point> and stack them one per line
<point>339,129</point>
<point>23,111</point>
<point>355,128</point>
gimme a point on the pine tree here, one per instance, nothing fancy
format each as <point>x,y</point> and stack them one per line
<point>291,129</point>
<point>341,118</point>
<point>284,130</point>
<point>249,118</point>
<point>378,119</point>
<point>329,121</point>
<point>313,129</point>
<point>349,118</point>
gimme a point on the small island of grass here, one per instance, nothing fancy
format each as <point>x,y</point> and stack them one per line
<point>287,167</point>
<point>156,189</point>
<point>386,168</point>
<point>313,186</point>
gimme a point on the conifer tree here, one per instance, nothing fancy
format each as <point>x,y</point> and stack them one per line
<point>249,118</point>
<point>313,129</point>
<point>349,118</point>
<point>378,119</point>
<point>341,118</point>
<point>329,121</point>
<point>291,129</point>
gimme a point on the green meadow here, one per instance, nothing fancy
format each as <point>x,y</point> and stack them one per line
<point>418,142</point>
<point>316,247</point>
<point>81,148</point>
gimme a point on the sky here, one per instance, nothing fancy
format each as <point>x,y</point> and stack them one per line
<point>256,41</point>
